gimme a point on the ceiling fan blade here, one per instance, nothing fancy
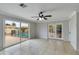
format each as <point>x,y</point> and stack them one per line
<point>48,16</point>
<point>35,16</point>
<point>37,19</point>
<point>45,18</point>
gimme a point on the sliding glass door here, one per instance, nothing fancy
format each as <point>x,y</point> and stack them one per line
<point>12,29</point>
<point>16,32</point>
<point>25,32</point>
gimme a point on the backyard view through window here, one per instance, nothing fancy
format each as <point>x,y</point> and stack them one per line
<point>15,32</point>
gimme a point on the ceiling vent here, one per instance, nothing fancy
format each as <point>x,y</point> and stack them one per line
<point>23,5</point>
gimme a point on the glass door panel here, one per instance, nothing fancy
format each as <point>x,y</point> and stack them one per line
<point>51,31</point>
<point>59,30</point>
<point>12,30</point>
<point>24,31</point>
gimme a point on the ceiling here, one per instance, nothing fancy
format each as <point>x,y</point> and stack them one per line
<point>59,11</point>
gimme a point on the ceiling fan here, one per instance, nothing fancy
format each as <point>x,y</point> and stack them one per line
<point>41,16</point>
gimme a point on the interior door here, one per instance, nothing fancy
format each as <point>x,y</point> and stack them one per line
<point>51,31</point>
<point>59,32</point>
<point>55,31</point>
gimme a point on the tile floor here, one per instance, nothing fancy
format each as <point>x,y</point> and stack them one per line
<point>40,47</point>
<point>10,40</point>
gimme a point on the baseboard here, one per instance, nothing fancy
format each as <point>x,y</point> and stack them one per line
<point>74,48</point>
<point>60,39</point>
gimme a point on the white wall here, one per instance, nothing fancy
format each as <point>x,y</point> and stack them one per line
<point>77,31</point>
<point>33,30</point>
<point>42,29</point>
<point>73,30</point>
<point>1,33</point>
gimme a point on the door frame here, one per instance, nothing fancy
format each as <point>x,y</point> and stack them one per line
<point>55,31</point>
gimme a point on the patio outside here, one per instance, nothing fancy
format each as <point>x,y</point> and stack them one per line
<point>14,33</point>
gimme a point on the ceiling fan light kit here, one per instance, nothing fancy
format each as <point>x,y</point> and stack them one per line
<point>41,16</point>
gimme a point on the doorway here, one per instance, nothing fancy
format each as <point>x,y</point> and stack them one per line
<point>55,31</point>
